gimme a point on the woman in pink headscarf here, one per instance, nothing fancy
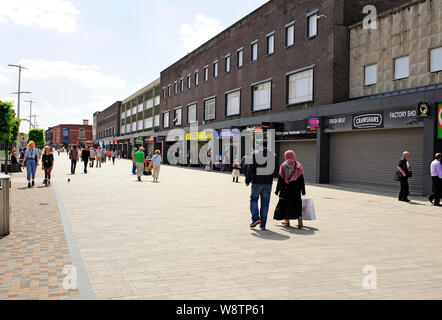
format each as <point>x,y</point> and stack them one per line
<point>290,186</point>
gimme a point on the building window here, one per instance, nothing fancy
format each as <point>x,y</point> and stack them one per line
<point>188,81</point>
<point>215,69</point>
<point>254,50</point>
<point>168,90</point>
<point>271,44</point>
<point>262,94</point>
<point>290,34</point>
<point>127,128</point>
<point>149,104</point>
<point>191,113</point>
<point>140,125</point>
<point>312,24</point>
<point>370,74</point>
<point>227,63</point>
<point>175,87</point>
<point>178,117</point>
<point>122,129</point>
<point>134,126</point>
<point>128,113</point>
<point>156,120</point>
<point>206,73</point>
<point>196,78</point>
<point>233,103</point>
<point>164,93</point>
<point>300,87</point>
<point>239,58</point>
<point>436,60</point>
<point>140,107</point>
<point>401,68</point>
<point>209,109</point>
<point>123,115</point>
<point>148,123</point>
<point>181,84</point>
<point>166,117</point>
<point>134,110</point>
<point>156,100</point>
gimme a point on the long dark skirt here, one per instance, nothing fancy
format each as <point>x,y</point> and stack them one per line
<point>290,202</point>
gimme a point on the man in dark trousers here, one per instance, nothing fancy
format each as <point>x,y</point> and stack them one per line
<point>436,176</point>
<point>404,173</point>
<point>85,154</point>
<point>260,174</point>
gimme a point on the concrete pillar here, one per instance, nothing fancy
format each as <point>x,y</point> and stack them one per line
<point>322,155</point>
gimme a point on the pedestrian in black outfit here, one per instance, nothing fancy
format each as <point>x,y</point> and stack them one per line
<point>404,173</point>
<point>436,176</point>
<point>290,186</point>
<point>73,155</point>
<point>85,157</point>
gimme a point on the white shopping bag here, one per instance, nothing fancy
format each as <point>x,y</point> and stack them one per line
<point>308,210</point>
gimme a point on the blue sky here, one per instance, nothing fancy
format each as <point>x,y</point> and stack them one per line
<point>83,55</point>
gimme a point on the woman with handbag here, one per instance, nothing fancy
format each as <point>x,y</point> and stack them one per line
<point>290,186</point>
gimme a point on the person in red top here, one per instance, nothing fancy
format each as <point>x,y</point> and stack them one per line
<point>73,155</point>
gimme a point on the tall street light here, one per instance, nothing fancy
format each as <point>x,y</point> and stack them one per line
<point>30,112</point>
<point>20,67</point>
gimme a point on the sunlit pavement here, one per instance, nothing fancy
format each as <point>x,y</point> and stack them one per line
<point>188,237</point>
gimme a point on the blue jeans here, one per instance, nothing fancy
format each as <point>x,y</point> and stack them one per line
<point>31,167</point>
<point>134,168</point>
<point>264,191</point>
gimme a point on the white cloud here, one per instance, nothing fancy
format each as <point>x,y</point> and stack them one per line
<point>4,79</point>
<point>87,76</point>
<point>49,14</point>
<point>202,29</point>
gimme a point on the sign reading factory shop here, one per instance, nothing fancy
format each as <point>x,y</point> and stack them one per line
<point>394,118</point>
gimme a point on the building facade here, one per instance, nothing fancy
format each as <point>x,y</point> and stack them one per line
<point>69,135</point>
<point>107,124</point>
<point>49,136</point>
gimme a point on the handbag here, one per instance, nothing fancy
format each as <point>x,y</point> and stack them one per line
<point>397,176</point>
<point>410,174</point>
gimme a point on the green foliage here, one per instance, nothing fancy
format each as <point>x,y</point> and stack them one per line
<point>14,130</point>
<point>6,117</point>
<point>38,136</point>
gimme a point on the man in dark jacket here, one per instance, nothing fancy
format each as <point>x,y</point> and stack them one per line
<point>260,174</point>
<point>85,154</point>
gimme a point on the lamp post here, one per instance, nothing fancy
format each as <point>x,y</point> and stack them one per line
<point>30,112</point>
<point>20,67</point>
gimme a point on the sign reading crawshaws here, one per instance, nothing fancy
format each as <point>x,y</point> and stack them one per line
<point>368,121</point>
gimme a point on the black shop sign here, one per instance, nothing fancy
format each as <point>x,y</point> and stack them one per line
<point>368,121</point>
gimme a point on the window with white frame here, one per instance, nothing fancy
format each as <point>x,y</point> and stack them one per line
<point>300,87</point>
<point>122,129</point>
<point>128,112</point>
<point>166,117</point>
<point>206,73</point>
<point>175,87</point>
<point>134,126</point>
<point>254,51</point>
<point>271,44</point>
<point>215,69</point>
<point>148,123</point>
<point>227,63</point>
<point>436,59</point>
<point>128,128</point>
<point>149,103</point>
<point>312,25</point>
<point>370,74</point>
<point>156,120</point>
<point>191,113</point>
<point>168,90</point>
<point>188,81</point>
<point>401,67</point>
<point>140,125</point>
<point>156,100</point>
<point>164,93</point>
<point>140,107</point>
<point>178,117</point>
<point>239,58</point>
<point>181,84</point>
<point>196,78</point>
<point>209,109</point>
<point>262,96</point>
<point>134,110</point>
<point>233,103</point>
<point>290,34</point>
<point>123,115</point>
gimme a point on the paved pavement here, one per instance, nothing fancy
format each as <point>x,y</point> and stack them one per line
<point>188,237</point>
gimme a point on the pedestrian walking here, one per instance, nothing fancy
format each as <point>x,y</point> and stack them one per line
<point>156,165</point>
<point>92,157</point>
<point>47,161</point>
<point>404,173</point>
<point>436,176</point>
<point>140,162</point>
<point>85,154</point>
<point>31,161</point>
<point>73,155</point>
<point>114,155</point>
<point>261,188</point>
<point>98,154</point>
<point>134,162</point>
<point>290,186</point>
<point>236,170</point>
<point>109,155</point>
<point>58,152</point>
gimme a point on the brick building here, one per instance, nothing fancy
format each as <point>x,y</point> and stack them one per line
<point>107,125</point>
<point>68,135</point>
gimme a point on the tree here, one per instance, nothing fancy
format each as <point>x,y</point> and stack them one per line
<point>38,136</point>
<point>6,127</point>
<point>15,129</point>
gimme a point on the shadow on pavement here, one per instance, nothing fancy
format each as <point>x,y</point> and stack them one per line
<point>269,235</point>
<point>305,231</point>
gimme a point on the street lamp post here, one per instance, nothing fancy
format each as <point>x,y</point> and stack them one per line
<point>30,112</point>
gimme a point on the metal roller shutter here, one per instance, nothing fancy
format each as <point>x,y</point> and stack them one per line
<point>369,158</point>
<point>305,153</point>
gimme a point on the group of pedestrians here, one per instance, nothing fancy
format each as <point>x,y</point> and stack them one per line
<point>141,164</point>
<point>89,157</point>
<point>31,161</point>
